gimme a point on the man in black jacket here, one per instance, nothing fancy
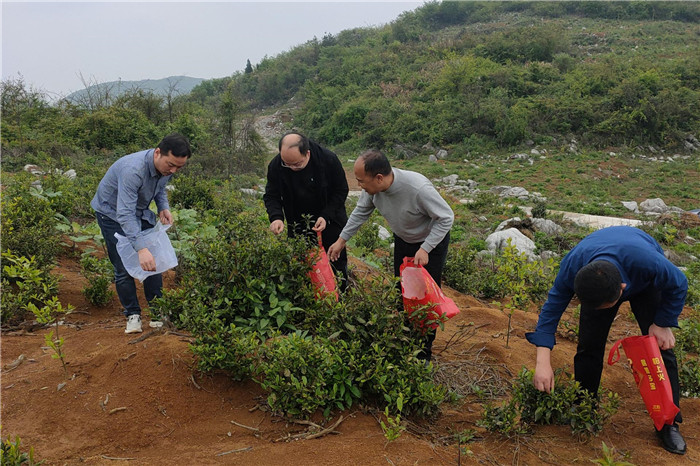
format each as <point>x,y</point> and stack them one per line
<point>307,179</point>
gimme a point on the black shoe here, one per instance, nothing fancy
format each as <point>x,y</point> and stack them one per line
<point>671,439</point>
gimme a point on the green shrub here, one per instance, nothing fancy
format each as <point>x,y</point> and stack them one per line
<point>12,455</point>
<point>23,283</point>
<point>100,275</point>
<point>192,193</point>
<point>303,373</point>
<point>29,226</point>
<point>227,348</point>
<point>568,404</point>
<point>688,354</point>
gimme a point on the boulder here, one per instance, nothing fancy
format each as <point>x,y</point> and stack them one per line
<point>631,206</point>
<point>546,226</point>
<point>653,206</point>
<point>499,240</point>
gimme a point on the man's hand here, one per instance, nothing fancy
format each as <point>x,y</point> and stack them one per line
<point>543,379</point>
<point>148,263</point>
<point>335,249</point>
<point>320,224</point>
<point>166,217</point>
<point>421,257</point>
<point>277,227</point>
<point>664,336</point>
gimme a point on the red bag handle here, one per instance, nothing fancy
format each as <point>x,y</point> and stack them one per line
<point>409,261</point>
<point>614,351</point>
<point>320,237</point>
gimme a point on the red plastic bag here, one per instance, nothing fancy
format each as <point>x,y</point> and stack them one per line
<point>644,357</point>
<point>322,276</point>
<point>418,289</point>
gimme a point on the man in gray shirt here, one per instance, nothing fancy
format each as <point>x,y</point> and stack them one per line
<point>121,206</point>
<point>418,215</point>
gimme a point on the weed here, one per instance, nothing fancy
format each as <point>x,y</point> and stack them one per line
<point>608,458</point>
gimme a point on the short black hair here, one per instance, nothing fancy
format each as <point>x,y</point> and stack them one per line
<point>175,144</point>
<point>598,283</point>
<point>302,143</point>
<point>376,163</point>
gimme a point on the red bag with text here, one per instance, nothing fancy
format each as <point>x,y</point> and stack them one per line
<point>322,277</point>
<point>644,357</point>
<point>419,289</point>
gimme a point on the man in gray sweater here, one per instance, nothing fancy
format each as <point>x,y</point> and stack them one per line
<point>419,217</point>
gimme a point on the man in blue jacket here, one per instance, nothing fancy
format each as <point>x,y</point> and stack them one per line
<point>607,268</point>
<point>121,206</point>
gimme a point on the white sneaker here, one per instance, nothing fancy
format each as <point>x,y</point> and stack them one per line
<point>133,324</point>
<point>155,324</point>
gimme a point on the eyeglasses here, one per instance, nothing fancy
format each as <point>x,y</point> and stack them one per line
<point>294,165</point>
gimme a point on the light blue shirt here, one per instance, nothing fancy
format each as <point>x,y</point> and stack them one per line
<point>126,191</point>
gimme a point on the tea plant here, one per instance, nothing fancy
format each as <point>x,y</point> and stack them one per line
<point>297,371</point>
<point>521,279</point>
<point>568,404</point>
<point>100,275</point>
<point>12,455</point>
<point>229,348</point>
<point>688,354</point>
<point>48,314</point>
<point>29,226</point>
<point>392,428</point>
<point>23,283</point>
<point>192,192</point>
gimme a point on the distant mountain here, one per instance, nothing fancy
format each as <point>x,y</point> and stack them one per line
<point>179,84</point>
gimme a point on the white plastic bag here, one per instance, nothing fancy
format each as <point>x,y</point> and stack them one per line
<point>158,244</point>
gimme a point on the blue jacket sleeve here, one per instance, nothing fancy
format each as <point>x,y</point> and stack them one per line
<point>674,288</point>
<point>558,299</point>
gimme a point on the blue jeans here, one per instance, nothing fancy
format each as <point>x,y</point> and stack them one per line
<point>126,287</point>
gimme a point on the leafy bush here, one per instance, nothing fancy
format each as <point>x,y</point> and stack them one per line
<point>12,454</point>
<point>23,283</point>
<point>100,275</point>
<point>509,273</point>
<point>192,193</point>
<point>29,226</point>
<point>688,354</point>
<point>569,405</point>
<point>244,287</point>
<point>227,348</point>
<point>521,279</point>
<point>469,273</point>
<point>304,373</point>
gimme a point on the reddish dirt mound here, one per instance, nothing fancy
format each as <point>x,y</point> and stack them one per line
<point>141,403</point>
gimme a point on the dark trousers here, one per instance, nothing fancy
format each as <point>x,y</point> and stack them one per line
<point>328,236</point>
<point>126,287</point>
<point>594,326</point>
<point>436,263</point>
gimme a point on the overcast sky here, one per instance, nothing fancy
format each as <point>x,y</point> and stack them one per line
<point>52,43</point>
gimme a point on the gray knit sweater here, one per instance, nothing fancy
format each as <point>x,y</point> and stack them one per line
<point>413,208</point>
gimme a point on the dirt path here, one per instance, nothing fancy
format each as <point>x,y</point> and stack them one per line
<point>142,403</point>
